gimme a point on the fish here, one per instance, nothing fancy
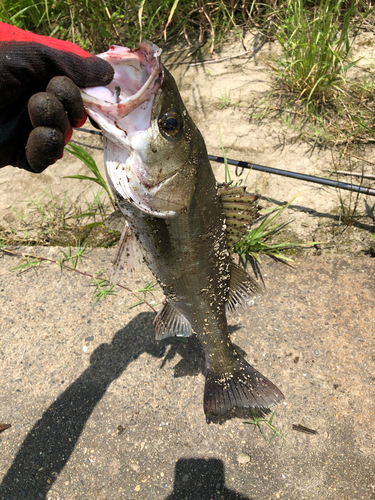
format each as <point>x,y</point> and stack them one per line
<point>178,220</point>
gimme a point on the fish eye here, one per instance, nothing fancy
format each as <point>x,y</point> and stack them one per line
<point>171,123</point>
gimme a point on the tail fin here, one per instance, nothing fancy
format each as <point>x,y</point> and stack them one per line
<point>241,387</point>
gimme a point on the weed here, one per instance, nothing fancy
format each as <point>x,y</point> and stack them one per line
<point>257,240</point>
<point>73,259</point>
<point>224,99</point>
<point>149,288</point>
<point>258,420</point>
<point>54,220</point>
<point>27,263</point>
<point>95,25</point>
<point>58,220</point>
<point>314,95</point>
<point>349,204</point>
<point>316,46</point>
<point>103,287</point>
<point>89,161</point>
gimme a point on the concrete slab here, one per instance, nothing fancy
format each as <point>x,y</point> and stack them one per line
<point>99,410</point>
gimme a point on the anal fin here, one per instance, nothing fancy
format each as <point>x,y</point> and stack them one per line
<point>242,288</point>
<point>169,322</point>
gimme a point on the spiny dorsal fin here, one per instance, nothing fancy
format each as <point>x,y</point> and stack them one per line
<point>242,288</point>
<point>240,210</point>
<point>169,322</point>
<point>128,251</point>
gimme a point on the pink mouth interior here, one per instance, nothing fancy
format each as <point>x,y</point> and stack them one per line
<point>138,76</point>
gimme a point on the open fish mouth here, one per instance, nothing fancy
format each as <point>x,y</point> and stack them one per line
<point>123,110</point>
<point>138,76</point>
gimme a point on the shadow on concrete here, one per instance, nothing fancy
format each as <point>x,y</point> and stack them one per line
<point>369,212</point>
<point>191,354</point>
<point>50,443</point>
<point>48,446</point>
<point>203,479</point>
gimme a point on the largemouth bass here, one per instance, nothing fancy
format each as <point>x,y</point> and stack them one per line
<point>175,218</point>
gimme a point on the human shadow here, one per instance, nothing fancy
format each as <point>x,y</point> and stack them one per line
<point>203,479</point>
<point>49,445</point>
<point>191,354</point>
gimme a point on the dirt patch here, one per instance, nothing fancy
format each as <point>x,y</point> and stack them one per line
<point>223,95</point>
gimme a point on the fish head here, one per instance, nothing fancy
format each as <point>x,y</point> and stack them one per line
<point>151,145</point>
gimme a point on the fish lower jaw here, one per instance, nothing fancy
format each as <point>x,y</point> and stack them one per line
<point>128,186</point>
<point>151,199</point>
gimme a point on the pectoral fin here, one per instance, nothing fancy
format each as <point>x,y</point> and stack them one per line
<point>129,251</point>
<point>169,322</point>
<point>115,221</point>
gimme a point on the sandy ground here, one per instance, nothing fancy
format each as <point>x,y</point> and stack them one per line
<point>99,410</point>
<point>316,213</point>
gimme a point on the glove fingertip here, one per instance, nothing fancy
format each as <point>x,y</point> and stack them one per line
<point>98,73</point>
<point>44,146</point>
<point>67,92</point>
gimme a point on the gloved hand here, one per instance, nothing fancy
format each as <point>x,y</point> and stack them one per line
<point>40,100</point>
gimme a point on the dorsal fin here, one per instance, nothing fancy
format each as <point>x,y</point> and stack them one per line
<point>169,322</point>
<point>129,252</point>
<point>240,210</point>
<point>242,288</point>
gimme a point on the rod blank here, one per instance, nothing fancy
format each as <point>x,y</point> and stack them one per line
<point>296,175</point>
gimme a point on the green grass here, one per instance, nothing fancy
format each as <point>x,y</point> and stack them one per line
<point>48,219</point>
<point>314,92</point>
<point>89,161</point>
<point>316,47</point>
<point>68,260</point>
<point>259,239</point>
<point>95,24</point>
<point>269,423</point>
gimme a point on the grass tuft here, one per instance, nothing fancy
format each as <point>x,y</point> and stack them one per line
<point>316,46</point>
<point>97,24</point>
<point>257,241</point>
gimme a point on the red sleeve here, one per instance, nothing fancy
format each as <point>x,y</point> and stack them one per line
<point>10,33</point>
<point>27,59</point>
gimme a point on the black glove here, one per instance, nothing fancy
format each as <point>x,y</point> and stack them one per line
<point>40,100</point>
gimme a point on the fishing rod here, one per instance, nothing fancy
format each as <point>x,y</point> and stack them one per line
<point>296,175</point>
<point>285,173</point>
